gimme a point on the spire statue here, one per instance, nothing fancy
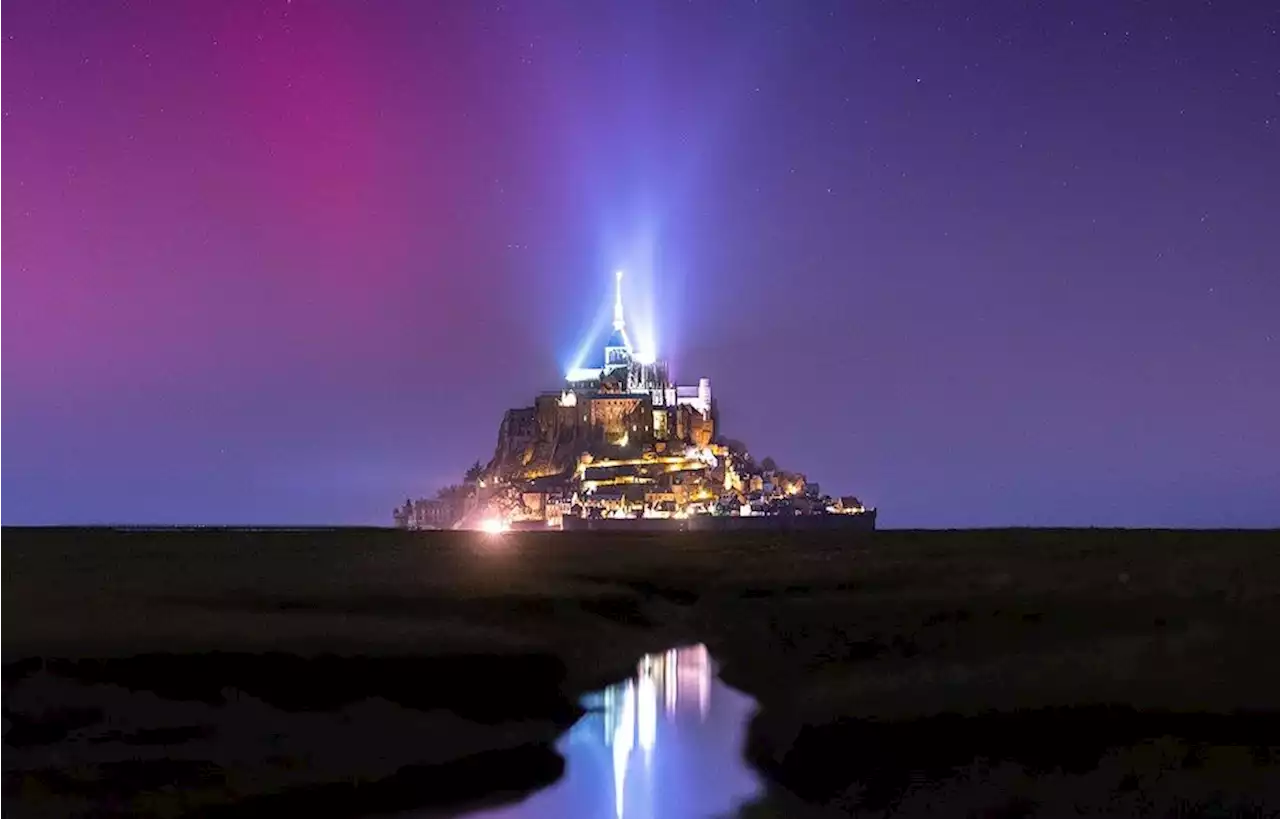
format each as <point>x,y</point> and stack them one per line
<point>618,322</point>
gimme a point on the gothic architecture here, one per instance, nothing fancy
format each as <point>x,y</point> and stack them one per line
<point>628,404</point>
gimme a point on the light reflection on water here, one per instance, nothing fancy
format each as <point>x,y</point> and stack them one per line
<point>628,758</point>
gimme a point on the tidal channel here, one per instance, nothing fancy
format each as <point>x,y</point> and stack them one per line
<point>665,744</point>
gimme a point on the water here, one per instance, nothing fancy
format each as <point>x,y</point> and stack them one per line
<point>666,744</point>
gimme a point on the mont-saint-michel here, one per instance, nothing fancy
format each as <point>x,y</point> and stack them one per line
<point>623,445</point>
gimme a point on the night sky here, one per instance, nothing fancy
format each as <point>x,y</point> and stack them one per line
<point>986,263</point>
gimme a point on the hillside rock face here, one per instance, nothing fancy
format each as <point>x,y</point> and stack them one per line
<point>542,440</point>
<point>517,442</point>
<point>549,437</point>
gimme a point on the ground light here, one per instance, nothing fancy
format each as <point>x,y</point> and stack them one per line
<point>492,526</point>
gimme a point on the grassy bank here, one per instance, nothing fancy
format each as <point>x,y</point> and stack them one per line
<point>1001,642</point>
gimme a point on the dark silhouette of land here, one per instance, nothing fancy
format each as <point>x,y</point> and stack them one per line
<point>347,672</point>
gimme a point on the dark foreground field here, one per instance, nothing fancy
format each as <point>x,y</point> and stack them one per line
<point>983,673</point>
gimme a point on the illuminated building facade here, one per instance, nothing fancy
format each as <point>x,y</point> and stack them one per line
<point>632,396</point>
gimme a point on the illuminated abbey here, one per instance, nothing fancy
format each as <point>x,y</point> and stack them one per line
<point>631,399</point>
<point>620,442</point>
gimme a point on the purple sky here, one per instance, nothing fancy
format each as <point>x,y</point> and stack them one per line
<point>978,263</point>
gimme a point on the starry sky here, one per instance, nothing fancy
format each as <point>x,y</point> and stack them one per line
<point>981,264</point>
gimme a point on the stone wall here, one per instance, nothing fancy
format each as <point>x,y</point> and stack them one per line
<point>616,416</point>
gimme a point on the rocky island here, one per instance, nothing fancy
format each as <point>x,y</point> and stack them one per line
<point>623,446</point>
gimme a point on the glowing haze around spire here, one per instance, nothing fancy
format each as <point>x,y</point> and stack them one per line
<point>620,341</point>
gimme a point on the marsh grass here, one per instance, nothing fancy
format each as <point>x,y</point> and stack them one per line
<point>836,635</point>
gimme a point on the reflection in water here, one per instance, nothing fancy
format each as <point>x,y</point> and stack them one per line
<point>627,762</point>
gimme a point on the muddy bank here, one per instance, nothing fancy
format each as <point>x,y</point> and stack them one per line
<point>1007,672</point>
<point>1024,674</point>
<point>169,735</point>
<point>1113,759</point>
<point>443,692</point>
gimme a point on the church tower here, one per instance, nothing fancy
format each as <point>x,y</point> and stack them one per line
<point>617,350</point>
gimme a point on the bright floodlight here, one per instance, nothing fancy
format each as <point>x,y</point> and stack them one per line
<point>492,526</point>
